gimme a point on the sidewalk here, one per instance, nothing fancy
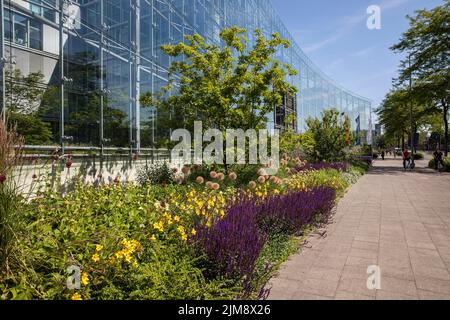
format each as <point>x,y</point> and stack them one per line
<point>399,221</point>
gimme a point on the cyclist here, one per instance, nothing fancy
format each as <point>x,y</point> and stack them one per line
<point>438,158</point>
<point>406,159</point>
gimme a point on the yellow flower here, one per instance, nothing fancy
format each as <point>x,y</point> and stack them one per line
<point>193,232</point>
<point>184,237</point>
<point>177,218</point>
<point>84,279</point>
<point>153,238</point>
<point>159,226</point>
<point>96,257</point>
<point>98,247</point>
<point>76,296</point>
<point>112,261</point>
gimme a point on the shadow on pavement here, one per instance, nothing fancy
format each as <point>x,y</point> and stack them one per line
<point>395,167</point>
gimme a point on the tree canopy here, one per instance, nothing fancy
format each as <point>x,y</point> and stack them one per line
<point>231,86</point>
<point>427,47</point>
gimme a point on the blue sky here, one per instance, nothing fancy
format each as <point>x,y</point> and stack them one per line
<point>334,34</point>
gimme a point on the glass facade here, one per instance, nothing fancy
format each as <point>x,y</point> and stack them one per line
<point>111,55</point>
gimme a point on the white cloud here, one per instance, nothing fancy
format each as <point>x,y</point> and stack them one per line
<point>363,52</point>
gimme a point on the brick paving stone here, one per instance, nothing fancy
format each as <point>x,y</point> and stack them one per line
<point>397,220</point>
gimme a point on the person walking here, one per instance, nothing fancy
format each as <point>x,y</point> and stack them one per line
<point>406,158</point>
<point>438,159</point>
<point>383,154</point>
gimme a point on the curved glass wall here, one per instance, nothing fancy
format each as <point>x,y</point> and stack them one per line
<point>111,55</point>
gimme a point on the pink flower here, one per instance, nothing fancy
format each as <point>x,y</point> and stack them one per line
<point>274,179</point>
<point>252,184</point>
<point>221,176</point>
<point>262,179</point>
<point>186,170</point>
<point>262,172</point>
<point>233,176</point>
<point>200,180</point>
<point>213,174</point>
<point>215,186</point>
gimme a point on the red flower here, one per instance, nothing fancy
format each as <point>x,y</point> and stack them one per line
<point>69,164</point>
<point>35,176</point>
<point>2,178</point>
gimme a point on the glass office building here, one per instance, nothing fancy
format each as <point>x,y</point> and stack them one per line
<point>91,64</point>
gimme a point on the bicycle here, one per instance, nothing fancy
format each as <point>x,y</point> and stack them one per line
<point>410,165</point>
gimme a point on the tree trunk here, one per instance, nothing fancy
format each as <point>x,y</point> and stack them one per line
<point>445,107</point>
<point>403,141</point>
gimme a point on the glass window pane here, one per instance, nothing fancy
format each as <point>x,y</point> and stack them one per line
<point>35,35</point>
<point>20,30</point>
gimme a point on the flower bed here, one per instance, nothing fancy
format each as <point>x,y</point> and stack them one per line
<point>211,237</point>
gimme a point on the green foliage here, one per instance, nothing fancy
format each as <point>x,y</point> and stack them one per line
<point>227,87</point>
<point>23,93</point>
<point>61,231</point>
<point>296,145</point>
<point>425,44</point>
<point>33,129</point>
<point>11,149</point>
<point>156,174</point>
<point>329,135</point>
<point>446,167</point>
<point>55,232</point>
<point>419,156</point>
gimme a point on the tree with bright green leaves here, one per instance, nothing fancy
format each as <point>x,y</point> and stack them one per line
<point>226,87</point>
<point>395,116</point>
<point>330,135</point>
<point>427,49</point>
<point>293,143</point>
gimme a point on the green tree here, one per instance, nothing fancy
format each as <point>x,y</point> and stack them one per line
<point>226,87</point>
<point>426,44</point>
<point>293,143</point>
<point>24,96</point>
<point>394,114</point>
<point>330,135</point>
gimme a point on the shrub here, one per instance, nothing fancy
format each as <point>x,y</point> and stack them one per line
<point>11,149</point>
<point>419,156</point>
<point>446,167</point>
<point>155,174</point>
<point>87,228</point>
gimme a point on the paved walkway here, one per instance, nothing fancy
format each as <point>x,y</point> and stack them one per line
<point>399,221</point>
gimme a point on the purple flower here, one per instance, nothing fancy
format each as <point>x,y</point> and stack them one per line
<point>339,166</point>
<point>235,242</point>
